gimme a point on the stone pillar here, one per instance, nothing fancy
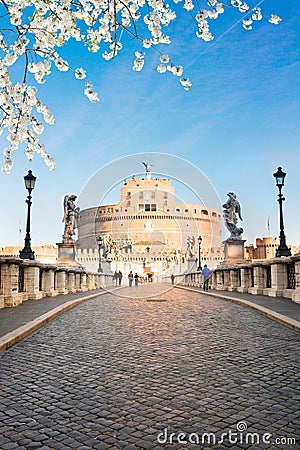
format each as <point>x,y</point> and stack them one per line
<point>296,293</point>
<point>91,284</point>
<point>70,282</point>
<point>48,282</point>
<point>77,282</point>
<point>32,282</point>
<point>234,280</point>
<point>279,280</point>
<point>83,285</point>
<point>226,279</point>
<point>61,282</point>
<point>220,283</point>
<point>259,281</point>
<point>10,278</point>
<point>245,279</point>
<point>214,279</point>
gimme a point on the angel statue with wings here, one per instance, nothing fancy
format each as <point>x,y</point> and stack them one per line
<point>232,209</point>
<point>190,243</point>
<point>147,166</point>
<point>71,214</point>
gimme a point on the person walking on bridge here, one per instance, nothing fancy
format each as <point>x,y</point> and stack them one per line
<point>205,274</point>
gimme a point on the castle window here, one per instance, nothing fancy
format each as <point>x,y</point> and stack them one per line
<point>165,195</point>
<point>128,194</point>
<point>186,210</point>
<point>141,194</point>
<point>141,206</point>
<point>195,211</point>
<point>128,203</point>
<point>147,207</point>
<point>203,211</point>
<point>153,207</point>
<point>152,194</point>
<point>177,209</point>
<point>214,214</point>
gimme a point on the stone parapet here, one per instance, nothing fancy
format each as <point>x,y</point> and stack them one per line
<point>277,277</point>
<point>22,280</point>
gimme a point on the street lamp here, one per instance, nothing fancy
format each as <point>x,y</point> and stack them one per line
<point>27,252</point>
<point>282,250</point>
<point>100,244</point>
<point>199,254</point>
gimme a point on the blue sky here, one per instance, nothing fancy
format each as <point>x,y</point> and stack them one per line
<point>237,124</point>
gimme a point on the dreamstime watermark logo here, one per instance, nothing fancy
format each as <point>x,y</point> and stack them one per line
<point>240,435</point>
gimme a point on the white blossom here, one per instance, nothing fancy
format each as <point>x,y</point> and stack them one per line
<point>257,15</point>
<point>164,59</point>
<point>247,24</point>
<point>186,83</point>
<point>138,64</point>
<point>62,65</point>
<point>244,8</point>
<point>188,5</point>
<point>161,68</point>
<point>90,93</point>
<point>147,43</point>
<point>275,19</point>
<point>80,73</point>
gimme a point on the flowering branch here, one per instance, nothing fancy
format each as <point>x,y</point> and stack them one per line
<point>38,28</point>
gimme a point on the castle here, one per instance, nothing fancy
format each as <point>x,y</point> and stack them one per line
<point>148,231</point>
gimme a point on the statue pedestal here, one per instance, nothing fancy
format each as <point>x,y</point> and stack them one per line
<point>67,254</point>
<point>191,264</point>
<point>234,251</point>
<point>106,266</point>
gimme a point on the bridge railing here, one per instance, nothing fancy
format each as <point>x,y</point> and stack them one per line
<point>277,277</point>
<point>185,279</point>
<point>22,280</point>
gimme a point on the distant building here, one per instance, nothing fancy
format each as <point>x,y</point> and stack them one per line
<point>44,253</point>
<point>148,231</point>
<point>266,249</point>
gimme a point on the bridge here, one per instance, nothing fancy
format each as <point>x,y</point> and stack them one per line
<point>148,367</point>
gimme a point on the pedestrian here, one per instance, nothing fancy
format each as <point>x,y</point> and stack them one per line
<point>130,278</point>
<point>205,274</point>
<point>172,278</point>
<point>136,279</point>
<point>116,277</point>
<point>120,276</point>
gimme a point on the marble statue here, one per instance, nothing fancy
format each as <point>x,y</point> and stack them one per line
<point>190,243</point>
<point>231,213</point>
<point>71,214</point>
<point>147,166</point>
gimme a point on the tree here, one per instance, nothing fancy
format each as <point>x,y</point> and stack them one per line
<point>33,31</point>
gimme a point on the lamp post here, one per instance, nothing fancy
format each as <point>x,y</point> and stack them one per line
<point>199,254</point>
<point>27,252</point>
<point>282,250</point>
<point>100,244</point>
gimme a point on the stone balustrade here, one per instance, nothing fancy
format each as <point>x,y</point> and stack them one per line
<point>22,280</point>
<point>277,277</point>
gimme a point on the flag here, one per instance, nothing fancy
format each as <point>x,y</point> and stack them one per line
<point>268,225</point>
<point>20,227</point>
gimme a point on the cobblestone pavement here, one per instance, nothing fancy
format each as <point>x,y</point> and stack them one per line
<point>116,371</point>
